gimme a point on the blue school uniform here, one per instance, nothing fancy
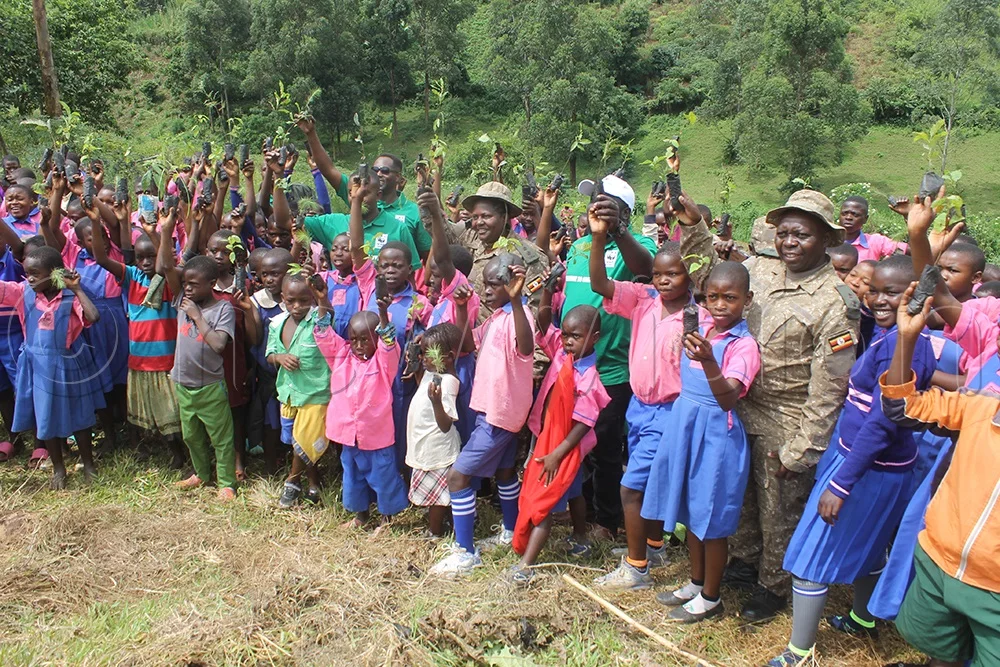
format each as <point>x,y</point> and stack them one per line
<point>345,298</point>
<point>57,389</point>
<point>108,337</point>
<point>402,392</point>
<point>645,430</point>
<point>11,334</point>
<point>265,400</point>
<point>699,479</point>
<point>870,466</point>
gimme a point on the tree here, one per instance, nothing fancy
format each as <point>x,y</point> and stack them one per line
<point>91,42</point>
<point>797,107</point>
<point>386,36</point>
<point>437,42</point>
<point>50,81</point>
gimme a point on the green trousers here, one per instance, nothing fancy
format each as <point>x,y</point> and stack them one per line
<point>207,424</point>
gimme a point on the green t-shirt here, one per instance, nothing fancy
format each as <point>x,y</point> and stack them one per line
<point>612,346</point>
<point>378,232</point>
<point>407,213</point>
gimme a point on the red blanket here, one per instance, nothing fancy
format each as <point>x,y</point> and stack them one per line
<point>537,499</point>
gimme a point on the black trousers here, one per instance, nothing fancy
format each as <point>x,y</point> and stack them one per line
<point>606,461</point>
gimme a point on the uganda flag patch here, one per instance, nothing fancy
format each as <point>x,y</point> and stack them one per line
<point>841,341</point>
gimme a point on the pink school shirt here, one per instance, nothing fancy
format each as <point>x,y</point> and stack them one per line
<point>365,275</point>
<point>987,305</point>
<point>589,398</point>
<point>444,311</point>
<point>876,246</point>
<point>656,345</point>
<point>360,410</point>
<point>977,335</point>
<point>503,384</point>
<point>741,361</point>
<point>12,296</point>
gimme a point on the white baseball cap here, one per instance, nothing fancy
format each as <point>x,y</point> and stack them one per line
<point>614,186</point>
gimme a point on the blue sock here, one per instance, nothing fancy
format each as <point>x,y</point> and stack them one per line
<point>463,512</point>
<point>509,494</point>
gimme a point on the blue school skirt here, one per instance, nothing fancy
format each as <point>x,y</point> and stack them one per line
<point>891,588</point>
<point>856,545</point>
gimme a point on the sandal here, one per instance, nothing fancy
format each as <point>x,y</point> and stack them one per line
<point>38,456</point>
<point>6,451</point>
<point>312,496</point>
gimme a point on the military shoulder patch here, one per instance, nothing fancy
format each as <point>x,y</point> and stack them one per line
<point>841,341</point>
<point>850,300</point>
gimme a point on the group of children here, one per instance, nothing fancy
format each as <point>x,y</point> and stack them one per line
<point>207,334</point>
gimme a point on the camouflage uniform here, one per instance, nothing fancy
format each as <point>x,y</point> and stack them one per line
<point>535,262</point>
<point>807,326</point>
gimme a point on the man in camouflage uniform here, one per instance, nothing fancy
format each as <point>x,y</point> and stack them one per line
<point>806,322</point>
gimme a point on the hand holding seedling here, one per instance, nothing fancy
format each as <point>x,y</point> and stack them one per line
<point>602,215</point>
<point>243,301</point>
<point>557,244</point>
<point>687,213</point>
<point>97,171</point>
<point>698,348</point>
<point>232,169</point>
<point>71,280</point>
<point>654,200</point>
<point>516,284</point>
<point>921,215</point>
<point>383,307</point>
<point>434,393</point>
<point>549,198</point>
<point>674,161</point>
<point>274,164</point>
<point>305,123</point>
<point>911,326</point>
<point>461,295</point>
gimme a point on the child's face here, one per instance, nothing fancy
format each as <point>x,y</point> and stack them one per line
<point>577,337</point>
<point>218,250</point>
<point>324,262</point>
<point>726,300</point>
<point>85,237</point>
<point>853,217</point>
<point>530,215</point>
<point>107,196</point>
<point>582,225</point>
<point>272,272</point>
<point>361,338</point>
<point>278,237</point>
<point>74,210</point>
<point>858,279</point>
<point>392,266</point>
<point>340,254</point>
<point>662,226</point>
<point>495,291</point>
<point>670,277</point>
<point>885,293</point>
<point>18,202</point>
<point>197,287</point>
<point>298,298</point>
<point>231,224</point>
<point>843,264</point>
<point>145,258</point>
<point>38,276</point>
<point>958,274</point>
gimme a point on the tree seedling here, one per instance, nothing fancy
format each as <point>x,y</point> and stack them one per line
<point>58,278</point>
<point>121,192</point>
<point>929,279</point>
<point>46,159</point>
<point>89,191</point>
<point>690,319</point>
<point>244,155</point>
<point>456,193</point>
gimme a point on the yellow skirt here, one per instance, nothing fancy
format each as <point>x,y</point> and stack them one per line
<point>308,431</point>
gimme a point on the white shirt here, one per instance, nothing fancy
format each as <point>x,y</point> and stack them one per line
<point>427,447</point>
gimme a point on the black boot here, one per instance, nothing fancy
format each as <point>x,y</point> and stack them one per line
<point>762,606</point>
<point>739,575</point>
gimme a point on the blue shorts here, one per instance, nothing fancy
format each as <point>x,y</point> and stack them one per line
<point>286,429</point>
<point>372,470</point>
<point>645,429</point>
<point>575,490</point>
<point>489,449</point>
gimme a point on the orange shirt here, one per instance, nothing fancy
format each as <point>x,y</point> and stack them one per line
<point>962,535</point>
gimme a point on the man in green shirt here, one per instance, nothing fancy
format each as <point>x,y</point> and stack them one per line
<point>392,201</point>
<point>626,257</point>
<point>380,226</point>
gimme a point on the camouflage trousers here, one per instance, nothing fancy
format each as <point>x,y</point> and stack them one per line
<point>771,511</point>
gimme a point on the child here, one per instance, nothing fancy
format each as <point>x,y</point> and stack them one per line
<point>342,284</point>
<point>303,380</point>
<point>205,328</point>
<point>152,331</point>
<point>569,401</point>
<point>448,268</point>
<point>990,288</point>
<point>707,471</point>
<point>853,216</point>
<point>501,395</point>
<point>950,610</point>
<point>11,336</point>
<point>57,390</point>
<point>844,258</point>
<point>656,312</point>
<point>962,267</point>
<point>839,539</point>
<point>248,332</point>
<point>359,416</point>
<point>433,441</point>
<point>859,279</point>
<point>23,216</point>
<point>265,410</point>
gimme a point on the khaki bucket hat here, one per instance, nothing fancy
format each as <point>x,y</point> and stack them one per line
<point>494,191</point>
<point>814,203</point>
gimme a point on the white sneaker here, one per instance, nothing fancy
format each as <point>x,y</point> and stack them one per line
<point>458,563</point>
<point>503,538</point>
<point>625,578</point>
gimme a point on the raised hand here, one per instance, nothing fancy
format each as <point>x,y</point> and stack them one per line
<point>516,284</point>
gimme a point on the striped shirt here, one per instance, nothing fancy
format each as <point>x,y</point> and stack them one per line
<point>152,334</point>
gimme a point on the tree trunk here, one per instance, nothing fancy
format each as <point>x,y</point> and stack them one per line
<point>50,82</point>
<point>427,98</point>
<point>527,110</point>
<point>392,94</point>
<point>572,168</point>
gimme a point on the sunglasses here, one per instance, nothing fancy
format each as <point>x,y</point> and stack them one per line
<point>385,170</point>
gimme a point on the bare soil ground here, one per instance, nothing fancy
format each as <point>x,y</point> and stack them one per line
<point>132,572</point>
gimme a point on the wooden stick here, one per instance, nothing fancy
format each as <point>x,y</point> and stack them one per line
<point>659,639</point>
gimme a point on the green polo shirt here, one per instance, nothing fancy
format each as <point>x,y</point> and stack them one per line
<point>612,346</point>
<point>310,385</point>
<point>407,213</point>
<point>378,232</point>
